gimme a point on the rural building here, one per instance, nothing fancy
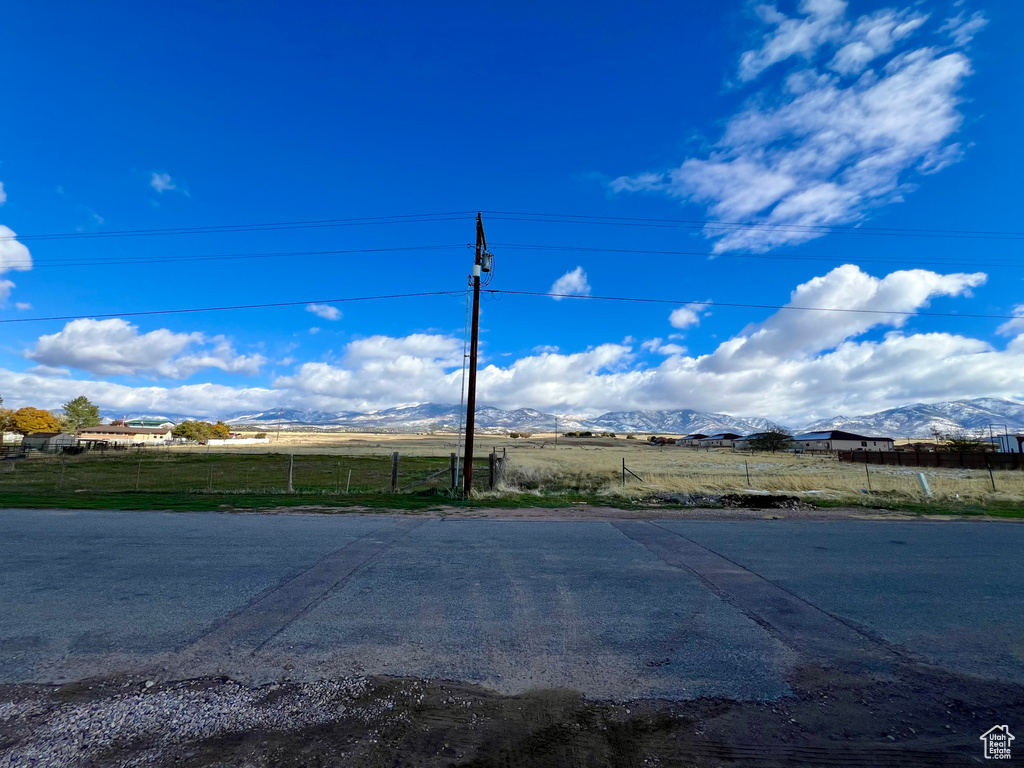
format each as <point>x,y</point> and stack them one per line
<point>837,440</point>
<point>691,440</point>
<point>48,441</point>
<point>720,440</point>
<point>106,434</point>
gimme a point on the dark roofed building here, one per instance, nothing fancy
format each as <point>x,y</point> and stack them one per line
<point>837,440</point>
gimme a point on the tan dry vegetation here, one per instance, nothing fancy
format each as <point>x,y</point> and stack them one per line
<point>595,465</point>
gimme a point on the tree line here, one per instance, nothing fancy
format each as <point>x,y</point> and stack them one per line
<point>77,414</point>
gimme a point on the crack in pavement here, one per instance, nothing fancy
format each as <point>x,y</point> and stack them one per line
<point>799,624</point>
<point>251,628</point>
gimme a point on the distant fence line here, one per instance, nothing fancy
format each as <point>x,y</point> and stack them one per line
<point>153,471</point>
<point>947,459</point>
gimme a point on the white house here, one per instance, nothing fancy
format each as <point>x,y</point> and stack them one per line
<point>837,440</point>
<point>691,440</point>
<point>106,434</point>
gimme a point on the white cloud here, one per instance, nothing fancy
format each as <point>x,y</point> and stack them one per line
<point>115,347</point>
<point>543,349</point>
<point>657,347</point>
<point>687,315</point>
<point>13,255</point>
<point>326,311</point>
<point>835,141</point>
<point>962,30</point>
<point>1015,326</point>
<point>381,371</point>
<point>314,330</point>
<point>573,283</point>
<point>162,182</point>
<point>21,306</point>
<point>823,21</point>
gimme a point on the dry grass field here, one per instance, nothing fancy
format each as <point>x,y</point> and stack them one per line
<point>594,465</point>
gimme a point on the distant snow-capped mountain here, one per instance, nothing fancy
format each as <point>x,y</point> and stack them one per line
<point>917,420</point>
<point>678,422</point>
<point>441,417</point>
<point>922,419</point>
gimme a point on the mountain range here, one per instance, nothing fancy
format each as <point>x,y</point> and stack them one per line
<point>916,420</point>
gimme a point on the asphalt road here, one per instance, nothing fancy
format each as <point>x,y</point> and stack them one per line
<point>613,609</point>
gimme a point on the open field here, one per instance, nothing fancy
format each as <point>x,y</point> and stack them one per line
<point>594,465</point>
<point>343,467</point>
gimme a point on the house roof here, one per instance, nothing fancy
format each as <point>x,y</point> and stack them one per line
<point>42,434</point>
<point>111,430</point>
<point>694,436</point>
<point>836,434</point>
<point>723,436</point>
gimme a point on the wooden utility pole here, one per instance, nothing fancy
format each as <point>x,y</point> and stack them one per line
<point>467,467</point>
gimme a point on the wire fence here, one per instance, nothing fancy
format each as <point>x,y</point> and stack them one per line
<point>154,471</point>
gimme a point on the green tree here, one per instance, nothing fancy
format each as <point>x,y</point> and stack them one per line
<point>772,440</point>
<point>28,421</point>
<point>79,413</point>
<point>199,431</point>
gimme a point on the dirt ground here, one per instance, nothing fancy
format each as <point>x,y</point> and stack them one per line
<point>915,716</point>
<point>775,511</point>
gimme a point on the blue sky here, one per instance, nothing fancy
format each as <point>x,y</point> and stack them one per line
<point>802,115</point>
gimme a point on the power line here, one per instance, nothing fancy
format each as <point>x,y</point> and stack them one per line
<point>770,257</point>
<point>559,218</point>
<point>755,306</point>
<point>227,257</point>
<point>239,306</point>
<point>495,292</point>
<point>118,261</point>
<point>535,217</point>
<point>312,223</point>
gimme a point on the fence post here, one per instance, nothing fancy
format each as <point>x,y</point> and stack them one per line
<point>138,474</point>
<point>348,482</point>
<point>623,471</point>
<point>991,476</point>
<point>867,474</point>
<point>209,480</point>
<point>453,472</point>
<point>291,470</point>
<point>337,485</point>
<point>394,472</point>
<point>60,483</point>
<point>747,470</point>
<point>491,460</point>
